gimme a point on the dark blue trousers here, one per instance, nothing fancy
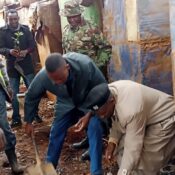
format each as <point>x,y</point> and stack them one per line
<point>58,133</point>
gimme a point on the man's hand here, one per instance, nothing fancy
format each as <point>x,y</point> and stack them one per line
<point>2,140</point>
<point>23,53</point>
<point>29,129</point>
<point>14,53</point>
<point>110,151</point>
<point>82,123</point>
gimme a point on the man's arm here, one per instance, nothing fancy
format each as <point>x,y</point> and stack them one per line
<point>104,49</point>
<point>133,143</point>
<point>115,135</point>
<point>114,138</point>
<point>33,97</point>
<point>30,41</point>
<point>3,49</point>
<point>65,41</point>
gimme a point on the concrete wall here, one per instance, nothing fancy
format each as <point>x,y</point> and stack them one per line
<point>140,37</point>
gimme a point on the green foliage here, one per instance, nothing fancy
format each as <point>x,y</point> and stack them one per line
<point>16,39</point>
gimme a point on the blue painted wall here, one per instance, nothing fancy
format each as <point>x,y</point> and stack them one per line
<point>153,18</point>
<point>156,67</point>
<point>147,60</point>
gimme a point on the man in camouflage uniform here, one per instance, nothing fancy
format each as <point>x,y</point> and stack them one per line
<point>83,37</point>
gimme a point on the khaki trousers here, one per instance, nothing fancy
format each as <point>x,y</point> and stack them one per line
<point>158,148</point>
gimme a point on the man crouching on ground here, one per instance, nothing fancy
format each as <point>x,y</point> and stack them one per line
<point>143,122</point>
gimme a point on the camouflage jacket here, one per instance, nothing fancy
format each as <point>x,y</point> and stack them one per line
<point>88,40</point>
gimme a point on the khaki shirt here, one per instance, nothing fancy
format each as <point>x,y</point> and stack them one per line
<point>137,107</point>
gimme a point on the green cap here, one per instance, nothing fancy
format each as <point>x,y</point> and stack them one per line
<point>71,8</point>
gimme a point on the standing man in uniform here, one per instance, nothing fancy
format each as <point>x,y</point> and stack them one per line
<point>7,138</point>
<point>143,125</point>
<point>16,44</point>
<point>82,36</point>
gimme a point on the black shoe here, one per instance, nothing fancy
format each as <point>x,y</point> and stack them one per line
<point>15,167</point>
<point>85,156</point>
<point>15,124</point>
<point>81,145</point>
<point>38,119</point>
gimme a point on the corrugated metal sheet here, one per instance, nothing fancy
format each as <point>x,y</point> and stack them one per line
<point>146,59</point>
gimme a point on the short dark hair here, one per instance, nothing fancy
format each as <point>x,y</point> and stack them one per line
<point>54,61</point>
<point>12,11</point>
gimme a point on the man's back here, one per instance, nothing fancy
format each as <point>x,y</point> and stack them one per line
<point>85,75</point>
<point>83,69</point>
<point>133,99</point>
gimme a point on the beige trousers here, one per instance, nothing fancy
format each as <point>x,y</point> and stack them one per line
<point>158,148</point>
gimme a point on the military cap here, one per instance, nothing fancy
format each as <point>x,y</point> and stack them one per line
<point>71,8</point>
<point>97,97</point>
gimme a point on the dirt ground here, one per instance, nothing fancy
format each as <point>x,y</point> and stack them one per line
<point>70,162</point>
